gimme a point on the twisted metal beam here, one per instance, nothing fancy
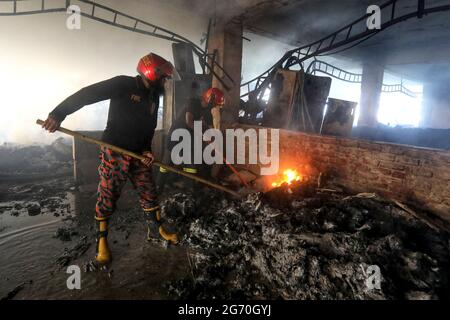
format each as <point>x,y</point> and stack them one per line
<point>116,19</point>
<point>337,73</point>
<point>257,86</point>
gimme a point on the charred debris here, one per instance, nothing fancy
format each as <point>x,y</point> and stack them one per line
<point>300,242</point>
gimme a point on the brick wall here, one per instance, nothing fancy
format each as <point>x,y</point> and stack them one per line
<point>416,176</point>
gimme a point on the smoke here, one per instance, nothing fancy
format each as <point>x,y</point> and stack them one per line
<point>259,54</point>
<point>42,62</point>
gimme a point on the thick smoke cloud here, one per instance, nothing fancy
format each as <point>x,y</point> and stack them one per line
<point>42,62</point>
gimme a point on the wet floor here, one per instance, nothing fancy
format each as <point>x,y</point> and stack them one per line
<point>47,226</point>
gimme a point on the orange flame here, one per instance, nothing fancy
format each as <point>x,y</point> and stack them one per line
<point>289,176</point>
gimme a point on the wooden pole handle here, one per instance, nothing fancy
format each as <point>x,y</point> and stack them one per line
<point>140,157</point>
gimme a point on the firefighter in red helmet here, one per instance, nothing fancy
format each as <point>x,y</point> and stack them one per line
<point>154,68</point>
<point>206,109</point>
<point>216,99</point>
<point>132,119</point>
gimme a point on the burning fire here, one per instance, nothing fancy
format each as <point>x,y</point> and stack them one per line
<point>289,176</point>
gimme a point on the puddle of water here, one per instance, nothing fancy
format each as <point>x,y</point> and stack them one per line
<point>25,253</point>
<point>138,272</point>
<point>29,252</point>
<point>27,243</point>
<point>30,255</point>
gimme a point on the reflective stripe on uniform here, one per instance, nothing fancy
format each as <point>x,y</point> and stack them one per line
<point>105,218</point>
<point>190,170</point>
<point>152,209</point>
<point>162,170</point>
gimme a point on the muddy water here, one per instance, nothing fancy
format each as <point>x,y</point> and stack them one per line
<point>30,254</point>
<point>27,243</point>
<point>138,272</point>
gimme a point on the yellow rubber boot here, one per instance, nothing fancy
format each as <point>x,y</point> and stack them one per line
<point>158,215</point>
<point>103,253</point>
<point>171,237</point>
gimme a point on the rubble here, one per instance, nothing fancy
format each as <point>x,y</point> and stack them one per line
<point>70,254</point>
<point>38,160</point>
<point>34,209</point>
<point>245,175</point>
<point>49,196</point>
<point>290,243</point>
<point>306,244</point>
<point>65,234</point>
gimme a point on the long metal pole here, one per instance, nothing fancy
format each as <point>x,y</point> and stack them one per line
<point>140,157</point>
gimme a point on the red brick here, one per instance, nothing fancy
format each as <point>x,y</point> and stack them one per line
<point>444,157</point>
<point>386,157</point>
<point>365,175</point>
<point>389,169</point>
<point>407,160</point>
<point>393,149</point>
<point>380,185</point>
<point>419,153</point>
<point>398,174</point>
<point>422,172</point>
<point>441,187</point>
<point>442,173</point>
<point>383,171</point>
<point>395,191</point>
<point>391,165</point>
<point>433,196</point>
<point>348,143</point>
<point>419,185</point>
<point>328,139</point>
<point>430,162</point>
<point>371,161</point>
<point>369,146</point>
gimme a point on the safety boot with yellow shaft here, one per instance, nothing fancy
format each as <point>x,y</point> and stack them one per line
<point>153,217</point>
<point>103,253</point>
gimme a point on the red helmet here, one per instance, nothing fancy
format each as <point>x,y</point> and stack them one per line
<point>219,98</point>
<point>154,67</point>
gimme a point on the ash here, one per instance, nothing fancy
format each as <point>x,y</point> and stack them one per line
<point>24,162</point>
<point>301,243</point>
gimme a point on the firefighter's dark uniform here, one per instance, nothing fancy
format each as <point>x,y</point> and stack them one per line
<point>199,113</point>
<point>132,119</point>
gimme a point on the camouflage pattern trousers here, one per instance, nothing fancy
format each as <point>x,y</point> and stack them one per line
<point>114,170</point>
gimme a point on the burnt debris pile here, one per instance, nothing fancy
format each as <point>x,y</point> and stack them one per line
<point>16,160</point>
<point>301,243</point>
<point>32,199</point>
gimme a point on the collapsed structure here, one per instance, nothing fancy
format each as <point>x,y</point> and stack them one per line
<point>355,219</point>
<point>321,244</point>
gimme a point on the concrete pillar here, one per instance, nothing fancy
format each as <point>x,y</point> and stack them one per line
<point>372,81</point>
<point>226,41</point>
<point>436,105</point>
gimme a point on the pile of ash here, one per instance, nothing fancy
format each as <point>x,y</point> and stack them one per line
<point>301,243</point>
<point>16,160</point>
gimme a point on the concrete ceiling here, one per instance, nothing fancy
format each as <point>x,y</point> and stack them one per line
<point>417,48</point>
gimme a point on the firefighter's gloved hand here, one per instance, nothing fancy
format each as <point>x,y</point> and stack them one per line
<point>149,158</point>
<point>51,124</point>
